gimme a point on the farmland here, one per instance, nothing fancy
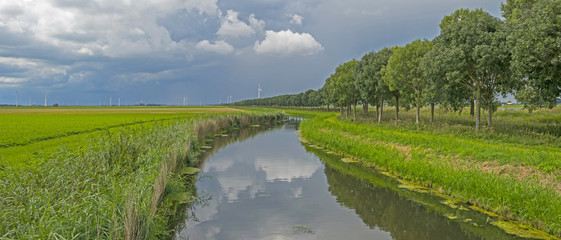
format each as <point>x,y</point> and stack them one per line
<point>27,132</point>
<point>512,169</point>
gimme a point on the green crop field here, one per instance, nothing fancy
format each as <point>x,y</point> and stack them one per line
<point>27,133</point>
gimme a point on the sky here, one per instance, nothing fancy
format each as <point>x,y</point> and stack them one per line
<point>91,52</point>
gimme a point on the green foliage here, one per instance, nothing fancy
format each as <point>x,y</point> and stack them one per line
<point>534,39</point>
<point>404,73</point>
<point>343,84</point>
<point>475,56</point>
<point>368,79</point>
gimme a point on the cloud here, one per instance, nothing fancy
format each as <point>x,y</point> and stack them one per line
<point>296,19</point>
<point>220,47</point>
<point>109,28</point>
<point>24,70</point>
<point>256,24</point>
<point>288,43</point>
<point>144,77</point>
<point>233,27</point>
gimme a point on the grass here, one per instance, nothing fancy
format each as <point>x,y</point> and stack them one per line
<point>501,173</point>
<point>124,183</point>
<point>21,126</point>
<point>31,132</point>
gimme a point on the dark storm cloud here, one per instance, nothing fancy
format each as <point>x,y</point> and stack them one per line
<point>205,50</point>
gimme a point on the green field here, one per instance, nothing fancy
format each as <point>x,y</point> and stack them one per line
<point>28,133</point>
<point>513,169</point>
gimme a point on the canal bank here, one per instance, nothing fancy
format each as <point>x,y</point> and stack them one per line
<point>442,166</point>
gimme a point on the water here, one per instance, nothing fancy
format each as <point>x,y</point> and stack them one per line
<point>272,186</point>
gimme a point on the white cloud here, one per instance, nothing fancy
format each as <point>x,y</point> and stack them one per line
<point>31,70</point>
<point>233,27</point>
<point>287,43</point>
<point>11,81</point>
<point>115,28</point>
<point>255,23</point>
<point>286,169</point>
<point>220,47</point>
<point>85,51</point>
<point>296,19</point>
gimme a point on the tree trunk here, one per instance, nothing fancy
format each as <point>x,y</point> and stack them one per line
<point>432,112</point>
<point>354,111</point>
<point>418,113</point>
<point>490,117</point>
<point>342,109</point>
<point>328,107</point>
<point>471,108</point>
<point>365,108</point>
<point>381,110</point>
<point>478,109</point>
<point>396,107</point>
<point>377,109</point>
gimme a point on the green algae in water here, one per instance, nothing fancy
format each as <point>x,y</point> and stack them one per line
<point>455,204</point>
<point>522,230</point>
<point>206,147</point>
<point>349,160</point>
<point>413,187</point>
<point>491,214</point>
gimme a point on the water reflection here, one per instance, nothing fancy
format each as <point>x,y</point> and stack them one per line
<point>271,187</point>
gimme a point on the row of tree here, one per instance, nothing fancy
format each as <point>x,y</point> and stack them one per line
<point>476,58</point>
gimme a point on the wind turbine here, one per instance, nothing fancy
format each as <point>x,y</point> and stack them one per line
<point>46,99</point>
<point>17,95</point>
<point>259,90</point>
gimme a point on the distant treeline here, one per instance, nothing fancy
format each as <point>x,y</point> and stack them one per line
<point>476,58</point>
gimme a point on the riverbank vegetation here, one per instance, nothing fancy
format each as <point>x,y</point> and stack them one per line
<point>123,184</point>
<point>502,174</point>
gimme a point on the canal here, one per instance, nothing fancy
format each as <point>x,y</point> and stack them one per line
<point>267,184</point>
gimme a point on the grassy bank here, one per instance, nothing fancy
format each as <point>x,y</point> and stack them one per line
<point>503,175</point>
<point>125,184</point>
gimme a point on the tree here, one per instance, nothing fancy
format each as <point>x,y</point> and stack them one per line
<point>434,71</point>
<point>368,78</point>
<point>476,56</point>
<point>404,74</point>
<point>342,86</point>
<point>535,37</point>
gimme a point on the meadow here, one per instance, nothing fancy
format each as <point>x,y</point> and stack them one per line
<point>126,181</point>
<point>512,169</point>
